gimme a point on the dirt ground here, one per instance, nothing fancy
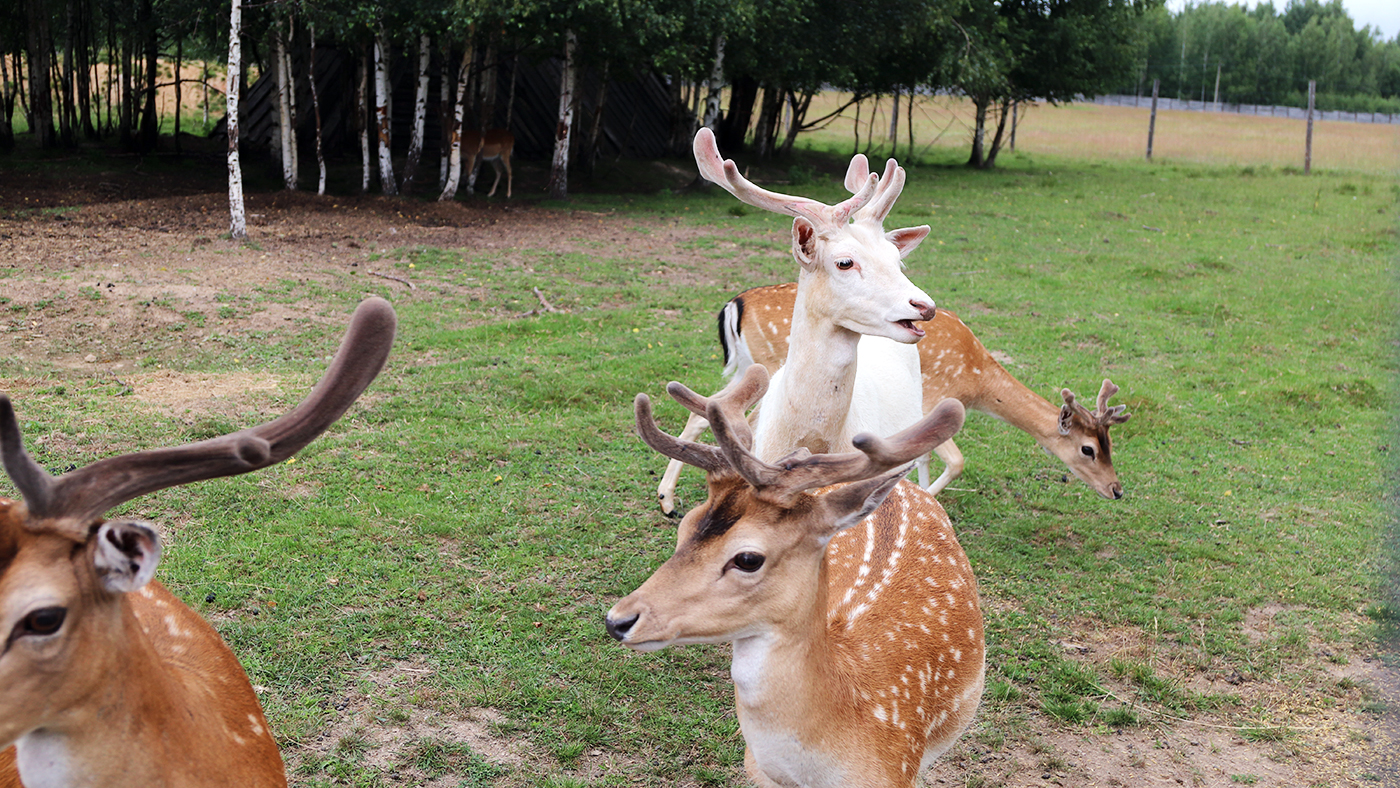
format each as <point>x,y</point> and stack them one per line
<point>124,233</point>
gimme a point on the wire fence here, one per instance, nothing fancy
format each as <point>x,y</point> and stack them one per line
<point>1265,110</point>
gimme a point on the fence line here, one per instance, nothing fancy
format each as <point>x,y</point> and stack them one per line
<point>1265,110</point>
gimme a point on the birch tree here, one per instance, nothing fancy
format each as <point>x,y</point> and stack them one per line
<point>454,157</point>
<point>420,114</point>
<point>316,110</point>
<point>714,85</point>
<point>238,225</point>
<point>559,167</point>
<point>284,109</point>
<point>382,121</point>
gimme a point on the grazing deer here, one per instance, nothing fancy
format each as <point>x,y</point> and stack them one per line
<point>858,644</point>
<point>493,145</point>
<point>850,283</point>
<point>106,678</point>
<point>753,329</point>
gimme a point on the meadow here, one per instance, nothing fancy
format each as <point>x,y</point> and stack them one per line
<point>418,596</point>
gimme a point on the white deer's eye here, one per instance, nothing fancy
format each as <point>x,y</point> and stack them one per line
<point>845,263</point>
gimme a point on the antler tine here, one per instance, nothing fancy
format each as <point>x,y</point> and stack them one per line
<point>1105,394</point>
<point>34,483</point>
<point>706,458</point>
<point>1105,414</point>
<point>78,497</point>
<point>735,399</point>
<point>725,173</point>
<point>891,186</point>
<point>857,173</point>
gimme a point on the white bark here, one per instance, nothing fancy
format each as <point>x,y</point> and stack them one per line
<point>387,184</point>
<point>444,101</point>
<point>420,114</point>
<point>316,110</point>
<point>238,225</point>
<point>454,157</point>
<point>292,106</point>
<point>559,168</point>
<point>716,83</point>
<point>361,112</point>
<point>284,111</point>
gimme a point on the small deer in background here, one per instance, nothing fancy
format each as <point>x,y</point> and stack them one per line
<point>858,642</point>
<point>106,678</point>
<point>754,327</point>
<point>493,145</point>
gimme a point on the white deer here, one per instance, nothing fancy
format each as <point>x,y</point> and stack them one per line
<point>858,641</point>
<point>850,283</point>
<point>106,678</point>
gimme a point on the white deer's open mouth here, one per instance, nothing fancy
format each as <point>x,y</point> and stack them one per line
<point>911,327</point>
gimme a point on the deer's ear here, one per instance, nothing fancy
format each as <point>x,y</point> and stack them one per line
<point>907,239</point>
<point>804,241</point>
<point>126,555</point>
<point>854,502</point>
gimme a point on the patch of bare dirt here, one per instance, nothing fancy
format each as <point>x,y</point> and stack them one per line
<point>1317,726</point>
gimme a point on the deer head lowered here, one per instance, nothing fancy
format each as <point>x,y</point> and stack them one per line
<point>858,646</point>
<point>106,678</point>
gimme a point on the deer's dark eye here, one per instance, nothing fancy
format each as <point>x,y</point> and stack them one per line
<point>845,263</point>
<point>44,621</point>
<point>747,562</point>
<point>1087,451</point>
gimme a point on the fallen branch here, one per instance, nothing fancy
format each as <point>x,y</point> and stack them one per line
<point>544,306</point>
<point>400,280</point>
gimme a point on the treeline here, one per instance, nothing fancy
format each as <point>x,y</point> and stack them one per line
<point>1264,56</point>
<point>773,55</point>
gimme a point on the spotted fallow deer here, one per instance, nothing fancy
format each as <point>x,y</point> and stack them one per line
<point>493,145</point>
<point>850,284</point>
<point>753,329</point>
<point>858,645</point>
<point>106,678</point>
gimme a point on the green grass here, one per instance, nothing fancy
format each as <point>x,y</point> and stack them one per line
<point>488,501</point>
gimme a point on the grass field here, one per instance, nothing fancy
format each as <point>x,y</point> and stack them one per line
<point>419,595</point>
<point>943,127</point>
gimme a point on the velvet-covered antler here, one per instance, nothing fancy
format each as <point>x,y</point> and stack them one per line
<point>71,502</point>
<point>733,401</point>
<point>725,173</point>
<point>1103,413</point>
<point>799,472</point>
<point>890,185</point>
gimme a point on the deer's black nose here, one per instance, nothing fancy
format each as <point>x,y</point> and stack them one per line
<point>619,629</point>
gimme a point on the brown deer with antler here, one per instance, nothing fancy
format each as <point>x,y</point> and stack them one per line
<point>858,642</point>
<point>106,678</point>
<point>754,327</point>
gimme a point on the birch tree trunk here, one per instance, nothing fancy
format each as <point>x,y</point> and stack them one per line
<point>292,115</point>
<point>387,184</point>
<point>445,117</point>
<point>454,158</point>
<point>316,110</point>
<point>361,119</point>
<point>715,84</point>
<point>238,225</point>
<point>284,111</point>
<point>420,114</point>
<point>559,168</point>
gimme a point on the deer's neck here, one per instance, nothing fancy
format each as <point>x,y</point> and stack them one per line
<point>787,691</point>
<point>808,403</point>
<point>1006,398</point>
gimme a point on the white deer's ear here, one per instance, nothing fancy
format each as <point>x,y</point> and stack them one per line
<point>804,241</point>
<point>126,555</point>
<point>907,239</point>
